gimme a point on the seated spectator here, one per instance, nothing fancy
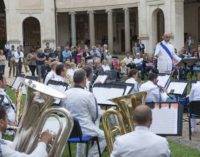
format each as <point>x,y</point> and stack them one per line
<point>123,69</point>
<point>97,68</point>
<point>141,142</point>
<point>129,61</point>
<point>138,61</point>
<point>105,65</point>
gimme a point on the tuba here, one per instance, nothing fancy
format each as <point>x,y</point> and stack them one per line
<point>38,115</point>
<point>123,115</point>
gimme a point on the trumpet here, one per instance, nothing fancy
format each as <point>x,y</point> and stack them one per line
<point>124,113</point>
<point>37,112</point>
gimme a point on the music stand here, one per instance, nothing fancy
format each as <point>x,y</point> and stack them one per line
<point>167,118</point>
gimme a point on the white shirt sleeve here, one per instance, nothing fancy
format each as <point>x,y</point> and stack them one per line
<point>40,151</point>
<point>116,148</point>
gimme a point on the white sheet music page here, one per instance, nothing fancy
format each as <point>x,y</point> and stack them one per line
<point>101,79</point>
<point>128,88</point>
<point>176,87</point>
<point>162,80</point>
<point>103,94</point>
<point>165,119</point>
<point>17,82</point>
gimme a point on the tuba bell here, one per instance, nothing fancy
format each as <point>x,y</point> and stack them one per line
<point>37,113</point>
<point>123,115</point>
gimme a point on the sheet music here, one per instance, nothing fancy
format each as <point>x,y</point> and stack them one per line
<point>177,87</point>
<point>17,82</point>
<point>162,80</point>
<point>165,119</point>
<point>194,83</point>
<point>103,94</point>
<point>128,88</point>
<point>101,79</point>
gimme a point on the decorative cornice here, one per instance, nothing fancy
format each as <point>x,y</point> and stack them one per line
<point>95,8</point>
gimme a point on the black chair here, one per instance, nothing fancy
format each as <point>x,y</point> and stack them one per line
<point>78,137</point>
<point>193,112</point>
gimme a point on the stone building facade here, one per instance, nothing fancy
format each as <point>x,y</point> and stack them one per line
<point>117,22</point>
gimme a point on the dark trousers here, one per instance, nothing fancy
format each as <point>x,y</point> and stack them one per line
<point>2,69</point>
<point>18,68</point>
<point>32,69</point>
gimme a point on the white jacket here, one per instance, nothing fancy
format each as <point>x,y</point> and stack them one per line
<point>164,64</point>
<point>140,143</point>
<point>82,105</point>
<point>153,92</point>
<point>195,92</point>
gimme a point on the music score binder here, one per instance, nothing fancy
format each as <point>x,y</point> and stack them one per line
<point>177,87</point>
<point>167,118</point>
<point>105,92</point>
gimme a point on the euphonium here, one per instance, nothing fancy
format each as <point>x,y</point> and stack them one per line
<point>123,114</point>
<point>37,112</point>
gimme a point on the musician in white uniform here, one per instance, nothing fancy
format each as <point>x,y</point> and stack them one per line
<point>195,96</point>
<point>7,102</point>
<point>61,72</point>
<point>132,79</point>
<point>6,147</point>
<point>82,106</point>
<point>141,142</point>
<point>154,93</point>
<point>52,74</point>
<point>165,55</point>
<point>89,74</point>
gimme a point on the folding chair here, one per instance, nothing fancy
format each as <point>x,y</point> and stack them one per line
<point>194,112</point>
<point>78,137</point>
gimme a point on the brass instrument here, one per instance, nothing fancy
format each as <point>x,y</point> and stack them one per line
<point>124,113</point>
<point>37,112</point>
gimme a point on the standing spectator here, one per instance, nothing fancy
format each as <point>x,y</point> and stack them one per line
<point>135,48</point>
<point>53,56</point>
<point>141,47</point>
<point>189,44</point>
<point>47,50</point>
<point>109,58</point>
<point>58,53</point>
<point>66,54</point>
<point>11,61</point>
<point>19,57</point>
<point>79,55</point>
<point>74,54</point>
<point>24,60</point>
<point>31,60</point>
<point>40,61</point>
<point>2,62</point>
<point>7,49</point>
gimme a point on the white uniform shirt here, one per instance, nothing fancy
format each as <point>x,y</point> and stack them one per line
<point>7,151</point>
<point>59,78</point>
<point>165,63</point>
<point>82,105</point>
<point>133,81</point>
<point>195,92</point>
<point>18,56</point>
<point>51,75</point>
<point>140,143</point>
<point>153,92</point>
<point>9,106</point>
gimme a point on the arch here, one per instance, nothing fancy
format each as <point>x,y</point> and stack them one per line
<point>2,24</point>
<point>158,25</point>
<point>31,33</point>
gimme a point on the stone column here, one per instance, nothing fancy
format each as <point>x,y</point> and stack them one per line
<point>91,28</point>
<point>110,30</point>
<point>127,29</point>
<point>73,28</point>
